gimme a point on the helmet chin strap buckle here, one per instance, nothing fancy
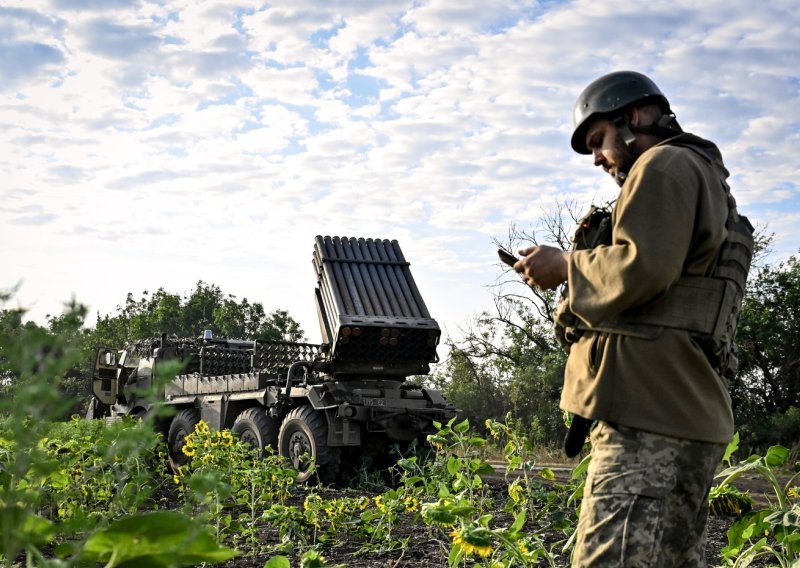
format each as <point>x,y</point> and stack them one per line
<point>624,128</point>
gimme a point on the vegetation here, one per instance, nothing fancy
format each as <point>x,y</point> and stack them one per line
<point>772,531</point>
<point>83,486</point>
<point>206,307</point>
<point>766,393</point>
<point>79,493</point>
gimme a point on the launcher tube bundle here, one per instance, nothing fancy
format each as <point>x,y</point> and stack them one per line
<point>370,310</point>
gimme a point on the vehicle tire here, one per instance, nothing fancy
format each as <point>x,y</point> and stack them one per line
<point>303,440</point>
<point>139,414</point>
<point>181,426</point>
<point>256,428</point>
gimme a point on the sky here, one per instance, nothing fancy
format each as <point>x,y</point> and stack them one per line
<point>153,144</point>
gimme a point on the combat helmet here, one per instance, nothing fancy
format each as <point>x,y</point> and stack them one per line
<point>608,96</point>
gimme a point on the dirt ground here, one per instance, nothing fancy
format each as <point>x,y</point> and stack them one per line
<point>429,548</point>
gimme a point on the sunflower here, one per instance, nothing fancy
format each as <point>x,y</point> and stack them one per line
<point>473,540</point>
<point>411,504</point>
<point>380,504</point>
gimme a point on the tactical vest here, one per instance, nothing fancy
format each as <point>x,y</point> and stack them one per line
<point>706,306</point>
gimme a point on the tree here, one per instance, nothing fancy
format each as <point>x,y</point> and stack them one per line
<point>508,360</point>
<point>206,307</point>
<point>10,326</point>
<point>766,392</point>
<point>68,329</point>
<point>54,351</point>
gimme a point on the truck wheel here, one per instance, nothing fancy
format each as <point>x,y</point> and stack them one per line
<point>256,428</point>
<point>303,440</point>
<point>182,425</point>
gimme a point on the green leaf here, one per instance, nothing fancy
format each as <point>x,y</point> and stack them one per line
<point>580,470</point>
<point>278,562</point>
<point>312,559</point>
<point>733,445</point>
<point>777,456</point>
<point>477,441</point>
<point>462,426</point>
<point>789,519</point>
<point>747,557</point>
<point>436,439</point>
<point>750,464</point>
<point>743,530</point>
<point>480,467</point>
<point>438,513</point>
<point>462,510</point>
<point>456,555</point>
<point>452,465</point>
<point>37,530</point>
<point>519,522</point>
<point>161,538</point>
<point>548,474</point>
<point>24,527</point>
<point>203,482</point>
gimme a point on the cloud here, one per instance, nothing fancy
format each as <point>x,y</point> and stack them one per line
<point>119,41</point>
<point>22,21</point>
<point>23,52</point>
<point>34,220</point>
<point>144,179</point>
<point>442,16</point>
<point>436,122</point>
<point>25,59</point>
<point>94,5</point>
<point>67,174</point>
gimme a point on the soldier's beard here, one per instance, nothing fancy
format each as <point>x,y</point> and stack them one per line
<point>626,157</point>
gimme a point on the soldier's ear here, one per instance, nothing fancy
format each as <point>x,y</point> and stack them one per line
<point>633,116</point>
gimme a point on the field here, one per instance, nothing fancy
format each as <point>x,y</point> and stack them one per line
<point>85,492</point>
<point>426,548</point>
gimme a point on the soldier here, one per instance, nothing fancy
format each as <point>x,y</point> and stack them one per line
<point>650,316</point>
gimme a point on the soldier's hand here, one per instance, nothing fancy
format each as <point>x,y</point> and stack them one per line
<point>543,266</point>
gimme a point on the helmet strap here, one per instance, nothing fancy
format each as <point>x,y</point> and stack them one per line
<point>666,127</point>
<point>624,127</point>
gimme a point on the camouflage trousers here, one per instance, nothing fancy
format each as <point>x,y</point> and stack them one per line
<point>646,500</point>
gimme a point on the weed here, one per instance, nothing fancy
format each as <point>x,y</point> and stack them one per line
<point>772,531</point>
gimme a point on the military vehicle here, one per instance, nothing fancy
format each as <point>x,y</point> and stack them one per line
<point>323,404</point>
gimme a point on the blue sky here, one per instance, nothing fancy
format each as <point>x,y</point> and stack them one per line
<point>148,144</point>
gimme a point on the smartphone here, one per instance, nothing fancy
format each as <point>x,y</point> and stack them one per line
<point>507,257</point>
